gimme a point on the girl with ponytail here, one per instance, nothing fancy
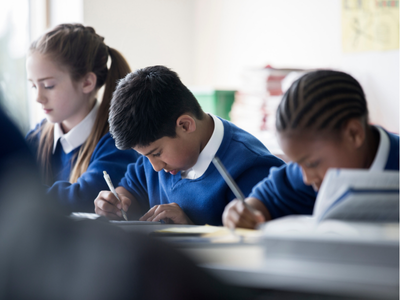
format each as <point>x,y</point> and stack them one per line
<point>66,67</point>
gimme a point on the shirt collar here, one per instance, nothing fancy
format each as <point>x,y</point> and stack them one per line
<point>208,152</point>
<point>382,154</point>
<point>77,135</point>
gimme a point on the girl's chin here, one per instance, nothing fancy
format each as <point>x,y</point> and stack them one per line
<point>52,120</point>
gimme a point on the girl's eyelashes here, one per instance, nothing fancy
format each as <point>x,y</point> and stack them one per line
<point>48,87</point>
<point>312,164</point>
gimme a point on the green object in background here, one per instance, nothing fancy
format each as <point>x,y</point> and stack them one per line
<point>215,102</point>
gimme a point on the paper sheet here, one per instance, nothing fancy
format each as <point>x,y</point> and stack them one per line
<point>215,234</point>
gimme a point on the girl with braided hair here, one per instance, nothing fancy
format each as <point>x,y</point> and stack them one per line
<point>66,67</point>
<point>322,123</point>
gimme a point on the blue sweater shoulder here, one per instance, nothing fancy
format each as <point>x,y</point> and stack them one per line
<point>246,157</point>
<point>79,196</point>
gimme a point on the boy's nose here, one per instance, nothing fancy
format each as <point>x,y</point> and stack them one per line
<point>157,164</point>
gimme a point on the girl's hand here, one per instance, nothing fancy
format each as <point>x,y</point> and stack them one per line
<point>239,214</point>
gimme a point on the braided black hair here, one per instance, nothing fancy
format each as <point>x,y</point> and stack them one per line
<point>321,100</point>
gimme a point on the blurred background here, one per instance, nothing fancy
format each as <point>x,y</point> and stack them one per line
<point>237,56</point>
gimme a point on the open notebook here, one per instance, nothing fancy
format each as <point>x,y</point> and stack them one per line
<point>358,195</point>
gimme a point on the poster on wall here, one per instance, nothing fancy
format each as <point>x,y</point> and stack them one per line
<point>370,25</point>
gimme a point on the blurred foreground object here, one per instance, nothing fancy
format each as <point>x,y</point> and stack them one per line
<point>45,255</point>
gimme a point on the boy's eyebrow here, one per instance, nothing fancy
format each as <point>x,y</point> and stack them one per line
<point>151,151</point>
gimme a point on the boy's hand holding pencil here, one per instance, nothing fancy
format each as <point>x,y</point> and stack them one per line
<point>111,204</point>
<point>108,205</point>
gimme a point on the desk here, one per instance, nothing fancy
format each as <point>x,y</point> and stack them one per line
<point>249,265</point>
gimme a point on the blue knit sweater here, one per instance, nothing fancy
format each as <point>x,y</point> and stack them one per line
<point>204,199</point>
<point>79,196</point>
<point>283,192</point>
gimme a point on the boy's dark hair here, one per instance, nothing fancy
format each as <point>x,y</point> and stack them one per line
<point>320,100</point>
<point>146,105</point>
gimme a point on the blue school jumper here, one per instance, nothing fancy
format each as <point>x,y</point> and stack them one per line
<point>79,196</point>
<point>283,192</point>
<point>204,199</point>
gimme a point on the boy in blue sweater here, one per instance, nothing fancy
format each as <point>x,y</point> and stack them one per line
<point>174,180</point>
<point>322,123</point>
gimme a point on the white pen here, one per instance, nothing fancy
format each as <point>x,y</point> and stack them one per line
<point>228,178</point>
<point>111,187</point>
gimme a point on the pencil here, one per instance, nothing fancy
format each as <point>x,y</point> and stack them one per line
<point>111,187</point>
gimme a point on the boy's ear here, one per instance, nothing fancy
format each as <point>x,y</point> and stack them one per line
<point>89,82</point>
<point>186,123</point>
<point>354,132</point>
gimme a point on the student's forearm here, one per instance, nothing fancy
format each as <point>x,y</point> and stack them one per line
<point>258,205</point>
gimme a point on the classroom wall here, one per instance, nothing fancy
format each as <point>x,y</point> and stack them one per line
<point>252,34</point>
<point>212,42</point>
<point>147,32</point>
<point>235,35</point>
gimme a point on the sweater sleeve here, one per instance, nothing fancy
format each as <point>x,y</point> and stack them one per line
<point>283,192</point>
<point>79,196</point>
<point>257,171</point>
<point>135,182</point>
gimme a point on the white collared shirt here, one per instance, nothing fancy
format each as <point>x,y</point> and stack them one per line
<point>208,152</point>
<point>382,154</point>
<point>77,135</point>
